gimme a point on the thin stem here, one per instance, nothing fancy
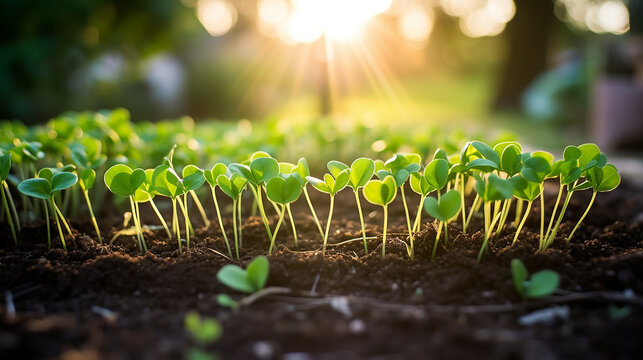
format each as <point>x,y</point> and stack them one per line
<point>91,214</point>
<point>181,205</point>
<point>175,226</point>
<point>542,215</point>
<point>234,226</point>
<point>292,223</point>
<point>258,197</point>
<point>554,230</point>
<point>384,228</point>
<point>312,211</point>
<point>486,235</point>
<point>472,209</point>
<point>361,219</point>
<point>184,209</point>
<point>139,235</point>
<point>9,219</point>
<point>582,217</point>
<point>408,220</point>
<point>240,227</point>
<point>216,207</point>
<point>437,240</point>
<point>519,208</point>
<point>140,224</point>
<point>446,234</point>
<point>330,216</point>
<point>158,214</point>
<point>47,220</point>
<point>199,206</point>
<point>60,230</point>
<point>506,207</point>
<point>12,204</point>
<point>418,216</point>
<point>462,209</point>
<point>553,214</point>
<point>522,222</point>
<point>274,234</point>
<point>62,218</point>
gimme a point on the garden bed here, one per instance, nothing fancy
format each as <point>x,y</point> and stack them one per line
<point>109,301</point>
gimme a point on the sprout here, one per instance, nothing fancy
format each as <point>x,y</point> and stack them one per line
<point>233,187</point>
<point>260,171</point>
<point>491,188</point>
<point>123,181</point>
<point>5,167</point>
<point>401,167</point>
<point>146,193</point>
<point>524,190</point>
<point>248,281</point>
<point>283,191</point>
<point>331,185</point>
<point>434,178</point>
<point>211,177</point>
<point>539,284</point>
<point>44,187</point>
<point>443,209</point>
<point>203,330</point>
<point>381,192</point>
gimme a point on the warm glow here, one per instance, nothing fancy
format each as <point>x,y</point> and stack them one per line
<point>416,23</point>
<point>338,20</point>
<point>216,16</point>
<point>613,17</point>
<point>272,12</point>
<point>609,16</point>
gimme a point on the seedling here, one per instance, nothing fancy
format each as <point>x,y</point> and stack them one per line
<point>146,193</point>
<point>45,187</point>
<point>382,192</point>
<point>203,331</point>
<point>539,284</point>
<point>283,191</point>
<point>247,281</point>
<point>304,172</point>
<point>233,187</point>
<point>401,167</point>
<point>123,181</point>
<point>492,188</point>
<point>434,178</point>
<point>331,185</point>
<point>211,177</point>
<point>86,162</point>
<point>5,167</point>
<point>443,209</point>
<point>536,168</point>
<point>524,190</point>
<point>260,171</point>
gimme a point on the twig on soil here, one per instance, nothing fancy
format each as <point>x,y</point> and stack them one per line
<point>314,288</point>
<point>220,254</point>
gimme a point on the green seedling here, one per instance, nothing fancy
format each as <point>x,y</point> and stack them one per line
<point>331,185</point>
<point>5,167</point>
<point>443,209</point>
<point>146,193</point>
<point>601,180</point>
<point>381,192</point>
<point>536,168</point>
<point>45,187</point>
<point>247,281</point>
<point>203,330</point>
<point>211,177</point>
<point>539,284</point>
<point>401,167</point>
<point>86,180</point>
<point>257,174</point>
<point>434,178</point>
<point>511,157</point>
<point>300,170</point>
<point>490,189</point>
<point>24,155</point>
<point>233,187</point>
<point>123,181</point>
<point>283,191</point>
<point>524,190</point>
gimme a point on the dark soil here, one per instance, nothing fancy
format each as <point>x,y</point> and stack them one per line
<point>109,301</point>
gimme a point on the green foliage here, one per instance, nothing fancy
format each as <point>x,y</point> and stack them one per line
<point>493,188</point>
<point>331,184</point>
<point>400,167</point>
<point>248,281</point>
<point>539,284</point>
<point>260,170</point>
<point>123,181</point>
<point>603,179</point>
<point>446,207</point>
<point>5,165</point>
<point>203,330</point>
<point>381,192</point>
<point>212,175</point>
<point>436,173</point>
<point>362,171</point>
<point>44,188</point>
<point>232,186</point>
<point>284,190</point>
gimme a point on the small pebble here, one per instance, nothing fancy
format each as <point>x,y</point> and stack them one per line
<point>356,326</point>
<point>263,349</point>
<point>394,287</point>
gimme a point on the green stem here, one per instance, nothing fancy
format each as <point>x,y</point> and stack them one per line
<point>472,209</point>
<point>62,218</point>
<point>274,234</point>
<point>234,225</point>
<point>181,205</point>
<point>60,230</point>
<point>199,206</point>
<point>519,208</point>
<point>487,214</point>
<point>542,215</point>
<point>184,209</point>
<point>384,228</point>
<point>437,240</point>
<point>408,219</point>
<point>522,222</point>
<point>175,225</point>
<point>361,219</point>
<point>552,236</point>
<point>91,214</point>
<point>140,224</point>
<point>48,225</point>
<point>582,217</point>
<point>506,207</point>
<point>446,234</point>
<point>486,235</point>
<point>418,216</point>
<point>158,214</point>
<point>216,207</point>
<point>553,214</point>
<point>240,227</point>
<point>9,219</point>
<point>330,216</point>
<point>312,211</point>
<point>137,225</point>
<point>462,209</point>
<point>258,197</point>
<point>292,223</point>
<point>12,204</point>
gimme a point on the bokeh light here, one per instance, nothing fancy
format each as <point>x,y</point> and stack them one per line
<point>216,16</point>
<point>416,23</point>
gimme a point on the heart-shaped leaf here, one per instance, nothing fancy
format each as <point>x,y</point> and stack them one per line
<point>37,187</point>
<point>541,283</point>
<point>436,173</point>
<point>248,281</point>
<point>212,174</point>
<point>88,178</point>
<point>193,178</point>
<point>233,185</point>
<point>5,165</point>
<point>444,209</point>
<point>604,179</point>
<point>493,188</point>
<point>362,171</point>
<point>284,191</point>
<point>335,167</point>
<point>122,180</point>
<point>381,192</point>
<point>62,181</point>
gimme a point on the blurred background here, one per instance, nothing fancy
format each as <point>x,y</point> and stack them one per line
<point>550,69</point>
